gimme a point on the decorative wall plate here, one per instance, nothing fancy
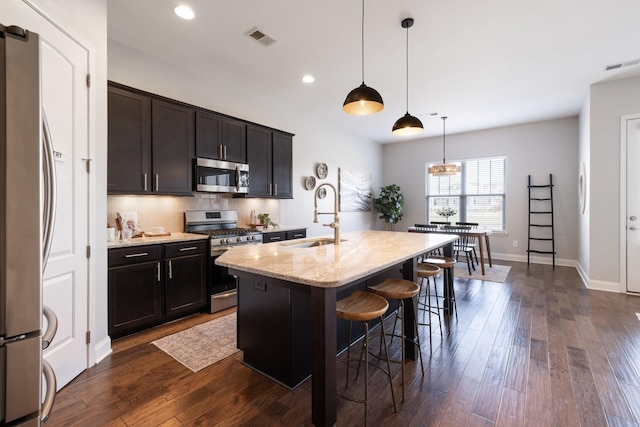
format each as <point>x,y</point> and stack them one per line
<point>322,193</point>
<point>322,170</point>
<point>310,183</point>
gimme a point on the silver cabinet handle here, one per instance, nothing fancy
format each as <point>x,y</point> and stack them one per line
<point>275,238</point>
<point>270,188</point>
<point>276,189</point>
<point>224,151</point>
<point>297,236</point>
<point>170,270</point>
<point>50,396</point>
<point>145,182</point>
<point>158,271</point>
<point>52,326</point>
<point>190,248</point>
<point>136,255</point>
<point>220,152</point>
<point>156,182</point>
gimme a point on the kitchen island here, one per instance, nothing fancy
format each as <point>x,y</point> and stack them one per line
<point>307,278</point>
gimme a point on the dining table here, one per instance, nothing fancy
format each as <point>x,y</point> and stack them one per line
<point>481,234</point>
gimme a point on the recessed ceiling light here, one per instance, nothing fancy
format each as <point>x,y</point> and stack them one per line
<point>308,78</point>
<point>184,12</point>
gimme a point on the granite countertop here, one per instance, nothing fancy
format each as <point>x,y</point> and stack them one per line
<point>282,228</point>
<point>361,254</point>
<point>141,241</point>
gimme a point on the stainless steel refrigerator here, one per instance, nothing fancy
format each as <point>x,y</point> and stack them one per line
<point>27,207</point>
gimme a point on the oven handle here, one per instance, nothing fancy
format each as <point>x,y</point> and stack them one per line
<point>221,296</point>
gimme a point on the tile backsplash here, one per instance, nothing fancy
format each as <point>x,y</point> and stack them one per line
<point>168,211</point>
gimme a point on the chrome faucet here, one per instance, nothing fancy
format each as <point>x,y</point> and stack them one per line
<point>336,219</point>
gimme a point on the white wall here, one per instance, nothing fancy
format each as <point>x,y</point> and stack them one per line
<point>537,149</point>
<point>609,101</point>
<point>313,142</point>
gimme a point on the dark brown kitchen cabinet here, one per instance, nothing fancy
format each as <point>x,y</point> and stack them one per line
<point>269,154</point>
<point>186,285</point>
<point>152,284</point>
<point>135,289</point>
<point>151,144</point>
<point>129,154</point>
<point>172,137</point>
<point>220,138</point>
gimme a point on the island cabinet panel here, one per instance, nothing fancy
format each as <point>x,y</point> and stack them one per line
<point>274,329</point>
<point>172,147</point>
<point>220,138</point>
<point>129,135</point>
<point>270,159</point>
<point>274,324</point>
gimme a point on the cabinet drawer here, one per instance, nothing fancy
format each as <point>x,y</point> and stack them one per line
<point>274,237</point>
<point>296,234</point>
<point>185,248</point>
<point>134,255</point>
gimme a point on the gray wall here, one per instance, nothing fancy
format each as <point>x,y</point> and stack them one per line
<point>609,101</point>
<point>537,149</point>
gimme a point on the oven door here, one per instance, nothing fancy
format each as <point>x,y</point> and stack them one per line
<point>222,287</point>
<point>218,176</point>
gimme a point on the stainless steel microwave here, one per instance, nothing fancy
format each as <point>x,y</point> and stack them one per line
<point>219,176</point>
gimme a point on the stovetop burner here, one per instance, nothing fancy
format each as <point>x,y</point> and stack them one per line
<point>230,231</point>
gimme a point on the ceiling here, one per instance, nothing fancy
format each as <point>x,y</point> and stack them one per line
<point>481,63</point>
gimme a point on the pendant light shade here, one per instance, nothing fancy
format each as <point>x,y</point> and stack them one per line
<point>363,100</point>
<point>445,168</point>
<point>407,124</point>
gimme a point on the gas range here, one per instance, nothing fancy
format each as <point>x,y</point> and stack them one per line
<point>221,227</point>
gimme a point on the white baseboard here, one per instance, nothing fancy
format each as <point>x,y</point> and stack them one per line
<point>102,350</point>
<point>535,259</point>
<point>600,285</point>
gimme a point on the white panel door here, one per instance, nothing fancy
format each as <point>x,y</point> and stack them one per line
<point>633,205</point>
<point>64,66</point>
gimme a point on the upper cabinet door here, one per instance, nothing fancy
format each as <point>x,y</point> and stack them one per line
<point>234,140</point>
<point>173,147</point>
<point>129,159</point>
<point>259,159</point>
<point>208,135</point>
<point>282,152</point>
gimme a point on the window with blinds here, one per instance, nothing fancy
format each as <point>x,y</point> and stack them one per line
<point>477,194</point>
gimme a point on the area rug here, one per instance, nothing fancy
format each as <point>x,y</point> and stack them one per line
<point>497,273</point>
<point>202,345</point>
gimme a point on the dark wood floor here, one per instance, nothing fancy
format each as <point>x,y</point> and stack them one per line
<point>538,350</point>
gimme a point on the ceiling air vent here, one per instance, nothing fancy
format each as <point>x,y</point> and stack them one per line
<point>622,64</point>
<point>261,37</point>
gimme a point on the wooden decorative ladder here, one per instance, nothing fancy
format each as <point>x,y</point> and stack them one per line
<point>541,212</point>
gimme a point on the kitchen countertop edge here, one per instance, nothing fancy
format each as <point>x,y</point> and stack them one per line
<point>142,241</point>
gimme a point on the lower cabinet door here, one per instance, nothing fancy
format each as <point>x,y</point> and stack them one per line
<point>135,297</point>
<point>185,284</point>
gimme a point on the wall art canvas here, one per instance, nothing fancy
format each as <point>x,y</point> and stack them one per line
<point>355,191</point>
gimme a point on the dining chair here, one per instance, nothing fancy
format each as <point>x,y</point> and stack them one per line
<point>464,244</point>
<point>440,222</point>
<point>474,226</point>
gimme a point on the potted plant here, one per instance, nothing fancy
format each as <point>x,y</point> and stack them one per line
<point>446,212</point>
<point>390,204</point>
<point>266,221</point>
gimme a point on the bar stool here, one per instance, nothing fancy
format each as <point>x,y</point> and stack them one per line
<point>424,272</point>
<point>446,264</point>
<point>399,289</point>
<point>363,307</point>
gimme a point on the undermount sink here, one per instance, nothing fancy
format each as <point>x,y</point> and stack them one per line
<point>311,243</point>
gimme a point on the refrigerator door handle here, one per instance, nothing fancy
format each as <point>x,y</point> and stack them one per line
<point>50,396</point>
<point>49,173</point>
<point>52,326</point>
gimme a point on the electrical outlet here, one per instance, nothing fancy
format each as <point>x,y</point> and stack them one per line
<point>515,243</point>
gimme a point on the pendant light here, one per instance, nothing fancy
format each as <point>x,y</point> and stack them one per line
<point>363,100</point>
<point>407,124</point>
<point>445,168</point>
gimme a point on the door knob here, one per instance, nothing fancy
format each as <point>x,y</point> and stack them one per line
<point>633,217</point>
<point>632,228</point>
